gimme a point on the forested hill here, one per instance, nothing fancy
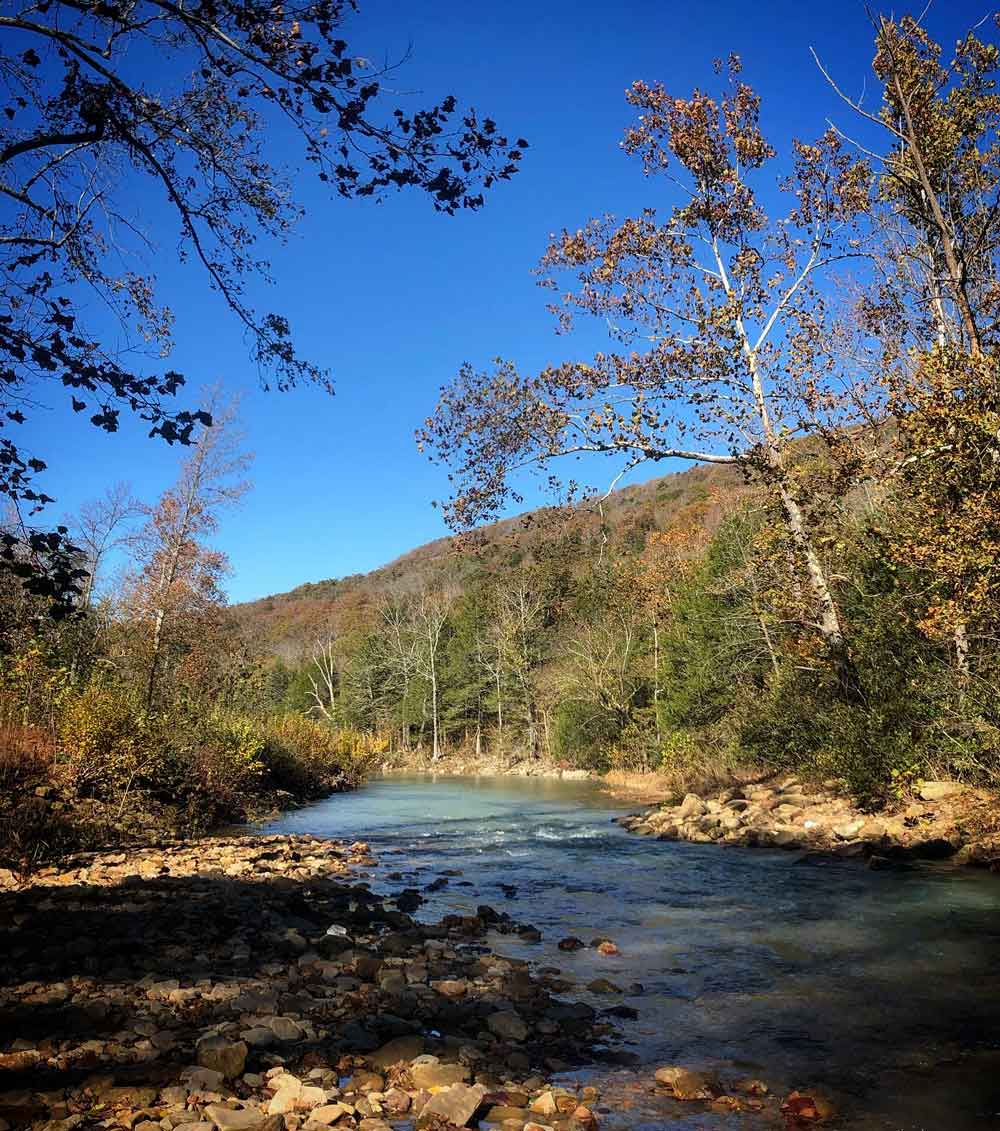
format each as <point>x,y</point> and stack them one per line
<point>289,623</point>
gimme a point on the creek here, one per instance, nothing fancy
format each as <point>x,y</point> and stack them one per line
<point>881,988</point>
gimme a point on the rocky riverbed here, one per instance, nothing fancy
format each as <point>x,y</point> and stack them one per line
<point>943,821</point>
<point>258,984</point>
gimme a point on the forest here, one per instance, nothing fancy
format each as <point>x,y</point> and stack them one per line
<point>816,330</point>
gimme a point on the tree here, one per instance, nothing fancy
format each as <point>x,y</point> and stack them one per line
<point>89,126</point>
<point>177,574</point>
<point>430,614</point>
<point>98,530</point>
<point>324,679</point>
<point>939,175</point>
<point>740,359</point>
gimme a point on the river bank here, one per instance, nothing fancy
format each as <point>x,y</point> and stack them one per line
<point>941,820</point>
<point>196,984</point>
<point>256,982</point>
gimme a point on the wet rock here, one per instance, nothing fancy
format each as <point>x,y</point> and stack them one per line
<point>807,1108</point>
<point>683,1083</point>
<point>222,1055</point>
<point>571,943</point>
<point>507,1025</point>
<point>456,1105</point>
<point>607,947</point>
<point>603,986</point>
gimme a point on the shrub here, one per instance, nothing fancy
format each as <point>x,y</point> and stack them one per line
<point>583,735</point>
<point>109,744</point>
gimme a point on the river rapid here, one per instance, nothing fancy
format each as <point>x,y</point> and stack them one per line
<point>882,988</point>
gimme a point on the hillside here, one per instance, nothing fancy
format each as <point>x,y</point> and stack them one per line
<point>288,622</point>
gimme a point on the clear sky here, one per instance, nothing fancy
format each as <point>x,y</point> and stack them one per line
<point>392,298</point>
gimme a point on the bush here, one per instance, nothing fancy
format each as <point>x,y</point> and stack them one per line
<point>583,735</point>
<point>110,745</point>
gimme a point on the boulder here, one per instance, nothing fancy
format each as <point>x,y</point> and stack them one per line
<point>455,1105</point>
<point>545,1104</point>
<point>235,1119</point>
<point>940,790</point>
<point>329,1113</point>
<point>399,1048</point>
<point>222,1055</point>
<point>692,806</point>
<point>507,1025</point>
<point>428,1072</point>
<point>684,1084</point>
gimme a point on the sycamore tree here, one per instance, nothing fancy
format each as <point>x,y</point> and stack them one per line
<point>934,314</point>
<point>130,127</point>
<point>718,309</point>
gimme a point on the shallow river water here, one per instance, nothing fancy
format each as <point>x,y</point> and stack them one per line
<point>882,988</point>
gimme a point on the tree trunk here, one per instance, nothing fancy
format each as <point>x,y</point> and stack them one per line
<point>829,625</point>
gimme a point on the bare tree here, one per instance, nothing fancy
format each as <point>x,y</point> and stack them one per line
<point>324,680</point>
<point>99,528</point>
<point>431,613</point>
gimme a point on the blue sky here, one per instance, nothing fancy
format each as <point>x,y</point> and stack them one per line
<point>392,298</point>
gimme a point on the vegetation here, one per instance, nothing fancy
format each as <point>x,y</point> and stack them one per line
<point>141,712</point>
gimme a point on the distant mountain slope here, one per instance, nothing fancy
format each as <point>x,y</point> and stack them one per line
<point>287,622</point>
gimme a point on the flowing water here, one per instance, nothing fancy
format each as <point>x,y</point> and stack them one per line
<point>882,988</point>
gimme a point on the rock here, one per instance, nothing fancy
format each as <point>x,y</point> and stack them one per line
<point>507,1025</point>
<point>545,1104</point>
<point>940,790</point>
<point>603,986</point>
<point>329,1113</point>
<point>428,1072</point>
<point>512,1117</point>
<point>235,1119</point>
<point>396,1101</point>
<point>692,806</point>
<point>684,1084</point>
<point>849,830</point>
<point>575,775</point>
<point>455,1105</point>
<point>607,947</point>
<point>451,987</point>
<point>222,1055</point>
<point>205,1080</point>
<point>807,1108</point>
<point>285,1029</point>
<point>399,1048</point>
<point>571,943</point>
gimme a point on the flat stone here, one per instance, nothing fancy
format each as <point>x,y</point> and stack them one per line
<point>456,1105</point>
<point>235,1119</point>
<point>507,1025</point>
<point>285,1029</point>
<point>222,1055</point>
<point>428,1072</point>
<point>329,1113</point>
<point>940,790</point>
<point>396,1050</point>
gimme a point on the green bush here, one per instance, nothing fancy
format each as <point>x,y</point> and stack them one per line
<point>584,735</point>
